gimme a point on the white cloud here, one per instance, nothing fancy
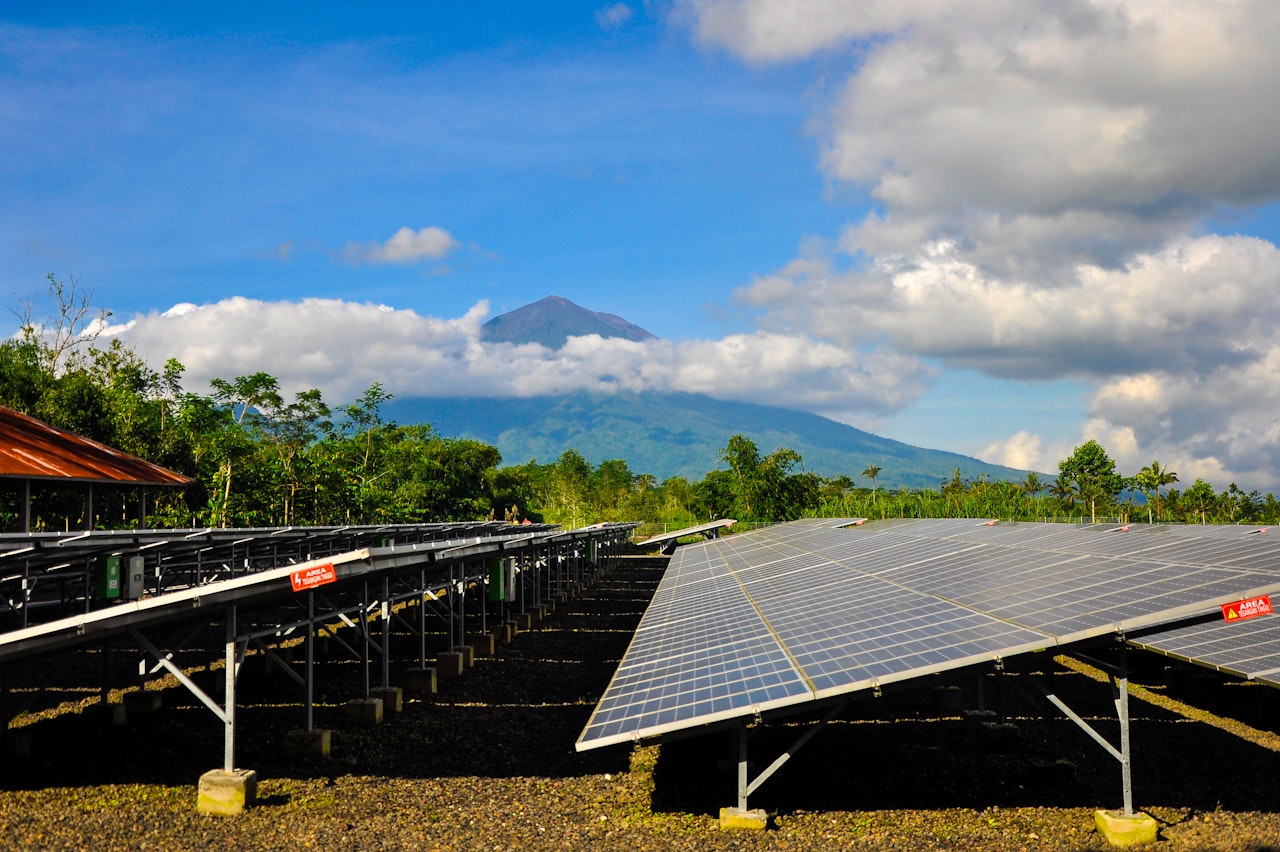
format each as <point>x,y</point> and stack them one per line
<point>1021,450</point>
<point>613,17</point>
<point>1196,305</point>
<point>341,347</point>
<point>1042,173</point>
<point>405,247</point>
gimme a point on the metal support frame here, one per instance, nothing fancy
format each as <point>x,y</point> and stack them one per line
<point>746,786</point>
<point>1118,676</point>
<point>364,636</point>
<point>436,589</point>
<point>310,685</point>
<point>234,656</point>
<point>386,632</point>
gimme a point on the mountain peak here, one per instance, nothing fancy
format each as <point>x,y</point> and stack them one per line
<point>552,320</point>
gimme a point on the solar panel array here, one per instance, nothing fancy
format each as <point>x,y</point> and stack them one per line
<point>44,576</point>
<point>1247,649</point>
<point>818,608</point>
<point>263,575</point>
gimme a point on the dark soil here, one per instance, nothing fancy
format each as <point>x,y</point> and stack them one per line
<point>489,763</point>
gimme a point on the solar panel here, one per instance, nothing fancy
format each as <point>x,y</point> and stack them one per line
<point>1247,649</point>
<point>818,608</point>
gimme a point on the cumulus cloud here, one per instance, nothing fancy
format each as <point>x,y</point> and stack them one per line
<point>341,347</point>
<point>1196,306</point>
<point>406,247</point>
<point>1042,173</point>
<point>613,17</point>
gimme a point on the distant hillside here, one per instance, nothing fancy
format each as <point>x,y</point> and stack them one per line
<point>553,320</point>
<point>674,434</point>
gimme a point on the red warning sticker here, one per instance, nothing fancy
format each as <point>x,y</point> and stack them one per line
<point>1260,605</point>
<point>316,575</point>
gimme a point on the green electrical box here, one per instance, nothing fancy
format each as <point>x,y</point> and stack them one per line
<point>497,585</point>
<point>106,577</point>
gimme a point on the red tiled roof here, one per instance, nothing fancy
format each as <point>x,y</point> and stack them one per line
<point>32,449</point>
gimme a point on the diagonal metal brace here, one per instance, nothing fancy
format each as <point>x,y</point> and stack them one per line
<point>1083,725</point>
<point>168,664</point>
<point>795,747</point>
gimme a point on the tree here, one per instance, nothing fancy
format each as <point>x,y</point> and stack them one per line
<point>252,394</point>
<point>1093,474</point>
<point>743,457</point>
<point>1151,479</point>
<point>871,472</point>
<point>1200,499</point>
<point>1032,484</point>
<point>290,430</point>
<point>778,493</point>
<point>71,325</point>
<point>715,496</point>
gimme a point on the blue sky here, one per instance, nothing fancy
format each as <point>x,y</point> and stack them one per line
<point>999,233</point>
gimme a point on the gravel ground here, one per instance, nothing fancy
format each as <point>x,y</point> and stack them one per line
<point>489,764</point>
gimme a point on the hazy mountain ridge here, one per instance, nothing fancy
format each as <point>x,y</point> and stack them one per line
<point>679,434</point>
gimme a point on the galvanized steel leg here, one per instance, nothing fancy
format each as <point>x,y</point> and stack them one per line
<point>742,766</point>
<point>229,737</point>
<point>422,618</point>
<point>462,604</point>
<point>386,633</point>
<point>311,659</point>
<point>364,633</point>
<point>1122,711</point>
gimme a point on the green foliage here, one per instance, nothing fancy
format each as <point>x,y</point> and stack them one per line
<point>260,459</point>
<point>1092,475</point>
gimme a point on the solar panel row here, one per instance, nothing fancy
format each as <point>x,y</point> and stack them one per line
<point>819,608</point>
<point>1247,649</point>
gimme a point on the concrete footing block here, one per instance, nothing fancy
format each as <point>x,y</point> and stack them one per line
<point>392,698</point>
<point>420,681</point>
<point>738,819</point>
<point>483,645</point>
<point>524,621</point>
<point>468,655</point>
<point>223,793</point>
<point>549,604</point>
<point>1124,830</point>
<point>1000,737</point>
<point>449,664</point>
<point>314,743</point>
<point>509,631</point>
<point>363,711</point>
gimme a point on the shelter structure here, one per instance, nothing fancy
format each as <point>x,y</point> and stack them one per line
<point>32,451</point>
<point>806,616</point>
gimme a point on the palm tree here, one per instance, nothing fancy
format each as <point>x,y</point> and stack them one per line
<point>1032,485</point>
<point>871,472</point>
<point>1151,479</point>
<point>1064,490</point>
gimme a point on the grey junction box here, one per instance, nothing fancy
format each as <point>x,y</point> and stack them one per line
<point>134,579</point>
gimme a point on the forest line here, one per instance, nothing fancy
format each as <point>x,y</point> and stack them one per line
<point>258,458</point>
